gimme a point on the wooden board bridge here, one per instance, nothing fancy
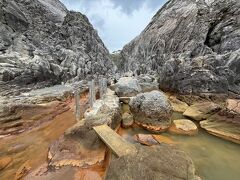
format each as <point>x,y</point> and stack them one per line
<point>114,141</point>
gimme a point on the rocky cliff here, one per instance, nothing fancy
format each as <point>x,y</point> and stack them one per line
<point>40,40</point>
<point>194,46</point>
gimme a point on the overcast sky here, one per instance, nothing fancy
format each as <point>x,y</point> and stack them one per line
<point>117,21</point>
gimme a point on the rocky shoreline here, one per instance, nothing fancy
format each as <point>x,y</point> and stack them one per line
<point>196,110</point>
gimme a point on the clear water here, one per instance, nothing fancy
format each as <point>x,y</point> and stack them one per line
<point>214,158</point>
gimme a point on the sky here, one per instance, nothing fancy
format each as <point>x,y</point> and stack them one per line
<point>117,21</point>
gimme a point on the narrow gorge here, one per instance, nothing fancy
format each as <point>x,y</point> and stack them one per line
<point>166,106</point>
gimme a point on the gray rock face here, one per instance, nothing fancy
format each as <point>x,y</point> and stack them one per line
<point>162,162</point>
<point>40,40</point>
<point>151,110</point>
<point>193,45</point>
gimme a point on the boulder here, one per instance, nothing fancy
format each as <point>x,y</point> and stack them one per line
<point>127,87</point>
<point>157,162</point>
<point>127,120</point>
<point>201,111</point>
<point>183,127</point>
<point>152,111</point>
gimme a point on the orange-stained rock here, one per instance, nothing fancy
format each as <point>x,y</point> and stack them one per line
<point>146,139</point>
<point>156,129</point>
<point>4,162</point>
<point>163,139</point>
<point>22,171</point>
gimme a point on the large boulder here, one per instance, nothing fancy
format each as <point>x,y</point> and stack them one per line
<point>156,163</point>
<point>127,87</point>
<point>192,45</point>
<point>151,110</point>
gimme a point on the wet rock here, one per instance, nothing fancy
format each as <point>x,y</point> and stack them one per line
<point>223,125</point>
<point>183,127</point>
<point>163,139</point>
<point>67,172</point>
<point>177,105</point>
<point>4,162</point>
<point>151,110</point>
<point>127,87</point>
<point>127,120</point>
<point>146,139</point>
<point>157,162</point>
<point>25,116</point>
<point>22,171</point>
<point>201,111</point>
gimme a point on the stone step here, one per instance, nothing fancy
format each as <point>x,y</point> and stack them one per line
<point>114,141</point>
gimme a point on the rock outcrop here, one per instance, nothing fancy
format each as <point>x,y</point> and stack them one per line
<point>80,146</point>
<point>202,110</point>
<point>151,110</point>
<point>40,40</point>
<point>193,45</point>
<point>159,162</point>
<point>226,123</point>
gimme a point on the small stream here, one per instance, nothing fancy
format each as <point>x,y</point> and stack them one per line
<point>214,158</point>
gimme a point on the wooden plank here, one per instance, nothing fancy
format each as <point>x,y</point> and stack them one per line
<point>115,142</point>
